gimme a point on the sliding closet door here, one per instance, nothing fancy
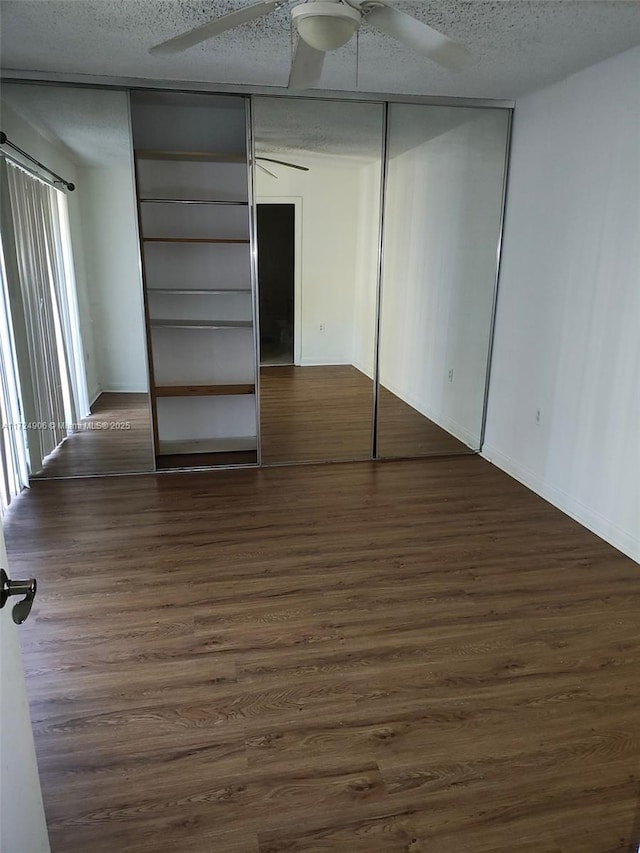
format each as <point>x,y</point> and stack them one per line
<point>442,223</point>
<point>317,182</point>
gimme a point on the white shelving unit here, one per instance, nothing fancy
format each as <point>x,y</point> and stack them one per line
<point>193,207</point>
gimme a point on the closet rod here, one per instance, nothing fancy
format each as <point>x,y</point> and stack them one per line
<point>5,141</point>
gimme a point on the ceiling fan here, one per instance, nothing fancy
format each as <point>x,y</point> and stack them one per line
<point>325,25</point>
<point>260,160</point>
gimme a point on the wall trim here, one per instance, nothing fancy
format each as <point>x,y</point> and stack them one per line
<point>366,369</point>
<point>94,393</point>
<point>323,362</point>
<point>594,521</point>
<point>449,424</point>
<point>122,388</point>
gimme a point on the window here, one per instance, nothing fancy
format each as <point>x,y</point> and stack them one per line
<point>42,364</point>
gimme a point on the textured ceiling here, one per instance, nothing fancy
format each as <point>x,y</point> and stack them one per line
<point>300,127</point>
<point>517,45</point>
<point>332,128</point>
<point>92,125</point>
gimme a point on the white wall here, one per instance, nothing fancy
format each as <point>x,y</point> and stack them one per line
<point>568,324</point>
<point>366,269</point>
<point>332,244</point>
<point>53,154</point>
<point>103,222</point>
<point>109,224</point>
<point>442,221</point>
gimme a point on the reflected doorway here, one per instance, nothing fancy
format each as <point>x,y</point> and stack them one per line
<point>276,277</point>
<point>324,160</point>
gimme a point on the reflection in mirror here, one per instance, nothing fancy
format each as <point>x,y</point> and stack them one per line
<point>82,363</point>
<point>442,222</point>
<point>317,235</point>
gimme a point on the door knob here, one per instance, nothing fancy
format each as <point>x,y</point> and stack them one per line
<point>28,588</point>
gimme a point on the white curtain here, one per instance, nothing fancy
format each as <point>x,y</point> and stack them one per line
<point>50,323</point>
<point>70,314</point>
<point>14,467</point>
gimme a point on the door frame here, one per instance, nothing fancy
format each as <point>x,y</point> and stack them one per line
<point>296,201</point>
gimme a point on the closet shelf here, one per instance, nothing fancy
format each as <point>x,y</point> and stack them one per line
<point>231,202</point>
<point>217,291</point>
<point>203,390</point>
<point>197,156</point>
<point>201,324</point>
<point>192,240</point>
<point>221,390</point>
<point>207,445</point>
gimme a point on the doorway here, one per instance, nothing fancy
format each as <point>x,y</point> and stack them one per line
<point>276,279</point>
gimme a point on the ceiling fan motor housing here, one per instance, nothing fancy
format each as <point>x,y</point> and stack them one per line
<point>326,25</point>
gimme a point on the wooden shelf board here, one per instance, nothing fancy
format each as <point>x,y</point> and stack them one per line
<point>193,240</point>
<point>198,292</point>
<point>189,461</point>
<point>220,390</point>
<point>201,324</point>
<point>195,156</point>
<point>207,445</point>
<point>231,202</point>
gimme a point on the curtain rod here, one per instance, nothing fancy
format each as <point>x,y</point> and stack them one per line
<point>5,141</point>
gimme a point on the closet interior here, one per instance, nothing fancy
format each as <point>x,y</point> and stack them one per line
<point>192,180</point>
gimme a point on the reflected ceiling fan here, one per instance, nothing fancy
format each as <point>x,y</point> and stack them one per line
<point>260,160</point>
<point>325,25</point>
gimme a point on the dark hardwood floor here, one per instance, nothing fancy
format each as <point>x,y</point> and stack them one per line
<point>401,657</point>
<point>315,414</point>
<point>101,446</point>
<point>308,414</point>
<point>403,432</point>
<point>323,413</point>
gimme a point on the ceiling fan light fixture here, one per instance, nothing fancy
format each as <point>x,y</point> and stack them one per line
<point>326,25</point>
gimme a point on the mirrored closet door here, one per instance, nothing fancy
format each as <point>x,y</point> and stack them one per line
<point>317,188</point>
<point>262,280</point>
<point>91,351</point>
<point>442,223</point>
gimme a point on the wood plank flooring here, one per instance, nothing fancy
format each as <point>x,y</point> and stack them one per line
<point>362,658</point>
<point>107,450</point>
<point>323,413</point>
<point>404,433</point>
<point>309,414</point>
<point>315,414</point>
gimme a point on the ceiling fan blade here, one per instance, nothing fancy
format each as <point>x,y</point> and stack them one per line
<point>264,169</point>
<point>306,67</point>
<point>443,50</point>
<point>215,27</point>
<point>283,163</point>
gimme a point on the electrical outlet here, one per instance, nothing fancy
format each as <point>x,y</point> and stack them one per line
<point>451,375</point>
<point>538,416</point>
<point>322,327</point>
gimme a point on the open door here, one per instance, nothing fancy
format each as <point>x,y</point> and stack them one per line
<point>276,271</point>
<point>23,827</point>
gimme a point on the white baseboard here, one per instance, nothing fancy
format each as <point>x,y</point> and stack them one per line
<point>318,362</point>
<point>364,368</point>
<point>594,521</point>
<point>123,388</point>
<point>449,424</point>
<point>93,394</point>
